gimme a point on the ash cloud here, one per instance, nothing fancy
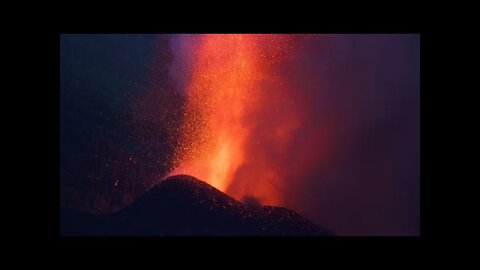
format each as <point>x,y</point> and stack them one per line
<point>360,128</point>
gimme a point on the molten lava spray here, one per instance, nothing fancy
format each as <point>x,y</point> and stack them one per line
<point>232,85</point>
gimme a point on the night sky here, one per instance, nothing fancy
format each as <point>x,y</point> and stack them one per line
<point>336,122</point>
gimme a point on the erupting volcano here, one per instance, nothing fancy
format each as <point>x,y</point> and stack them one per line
<point>232,85</point>
<point>175,134</point>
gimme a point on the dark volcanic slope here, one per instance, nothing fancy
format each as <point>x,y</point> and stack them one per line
<point>183,205</point>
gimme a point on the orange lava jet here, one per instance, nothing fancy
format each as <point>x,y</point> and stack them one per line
<point>233,82</point>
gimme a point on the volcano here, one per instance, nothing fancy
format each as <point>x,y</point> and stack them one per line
<point>182,205</point>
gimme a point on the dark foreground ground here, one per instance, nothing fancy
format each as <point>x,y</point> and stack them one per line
<point>185,206</point>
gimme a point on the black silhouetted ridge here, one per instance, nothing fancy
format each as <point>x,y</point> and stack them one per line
<point>182,205</point>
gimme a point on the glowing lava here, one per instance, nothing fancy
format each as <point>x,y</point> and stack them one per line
<point>225,94</point>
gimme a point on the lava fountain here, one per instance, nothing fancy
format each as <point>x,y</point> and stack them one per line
<point>233,83</point>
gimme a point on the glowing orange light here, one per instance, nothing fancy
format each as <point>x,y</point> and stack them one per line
<point>224,95</point>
